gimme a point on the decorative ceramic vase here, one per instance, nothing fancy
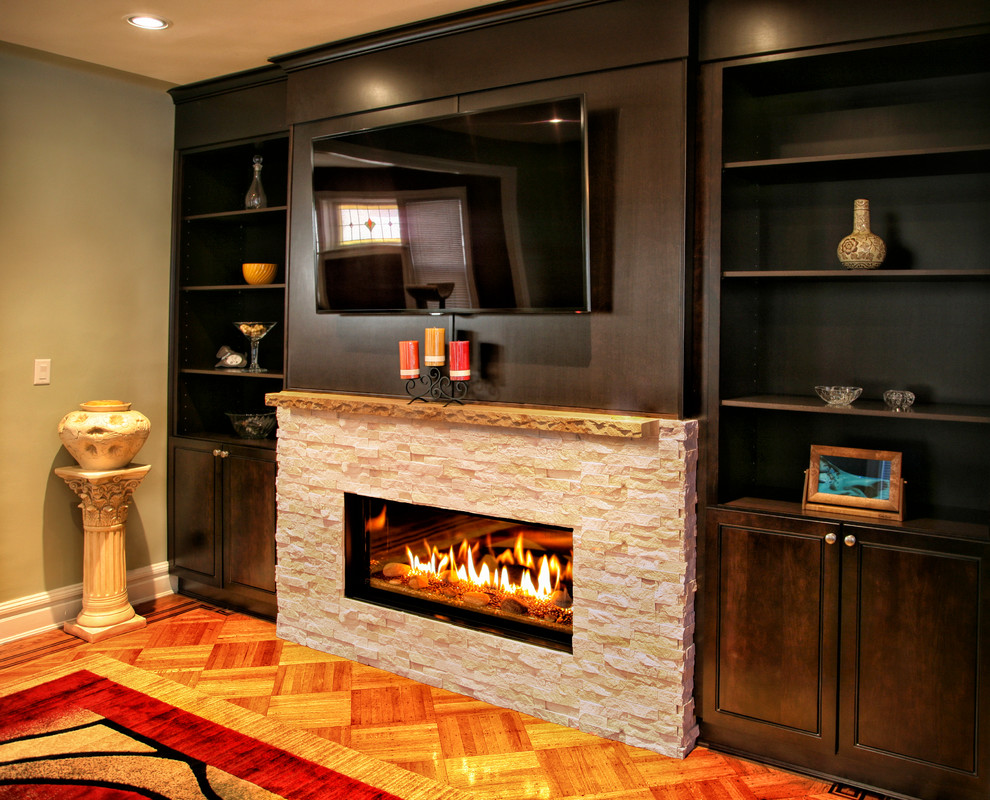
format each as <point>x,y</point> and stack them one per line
<point>255,197</point>
<point>259,274</point>
<point>104,434</point>
<point>861,249</point>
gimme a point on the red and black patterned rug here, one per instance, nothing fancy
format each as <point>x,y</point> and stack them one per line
<point>98,729</point>
<point>101,730</point>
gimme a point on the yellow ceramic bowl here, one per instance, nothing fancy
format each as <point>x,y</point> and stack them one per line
<point>259,273</point>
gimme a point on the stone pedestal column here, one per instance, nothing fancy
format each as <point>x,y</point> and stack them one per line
<point>105,495</point>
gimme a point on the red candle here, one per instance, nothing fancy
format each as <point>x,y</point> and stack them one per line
<point>460,361</point>
<point>434,347</point>
<point>409,359</point>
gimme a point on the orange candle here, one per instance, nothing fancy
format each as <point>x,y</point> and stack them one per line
<point>409,359</point>
<point>434,347</point>
<point>460,361</point>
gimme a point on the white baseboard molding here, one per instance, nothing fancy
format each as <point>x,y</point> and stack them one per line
<point>46,611</point>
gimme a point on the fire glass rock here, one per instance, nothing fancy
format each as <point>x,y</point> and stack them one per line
<point>419,582</point>
<point>512,606</point>
<point>475,598</point>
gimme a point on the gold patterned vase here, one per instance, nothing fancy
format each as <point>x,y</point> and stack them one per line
<point>104,434</point>
<point>861,249</point>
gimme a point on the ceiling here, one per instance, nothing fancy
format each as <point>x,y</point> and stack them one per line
<point>208,38</point>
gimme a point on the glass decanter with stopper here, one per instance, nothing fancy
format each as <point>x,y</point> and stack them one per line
<point>255,197</point>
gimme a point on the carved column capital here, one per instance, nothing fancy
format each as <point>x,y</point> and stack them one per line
<point>105,495</point>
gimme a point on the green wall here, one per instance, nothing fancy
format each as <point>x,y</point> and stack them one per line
<point>85,206</point>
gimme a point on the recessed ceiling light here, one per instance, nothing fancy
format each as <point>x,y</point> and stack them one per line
<point>148,22</point>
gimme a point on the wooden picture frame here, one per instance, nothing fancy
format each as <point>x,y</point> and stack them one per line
<point>852,481</point>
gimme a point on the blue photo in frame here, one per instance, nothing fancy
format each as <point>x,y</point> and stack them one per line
<point>849,480</point>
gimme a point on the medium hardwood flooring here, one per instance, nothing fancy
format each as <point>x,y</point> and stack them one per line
<point>488,751</point>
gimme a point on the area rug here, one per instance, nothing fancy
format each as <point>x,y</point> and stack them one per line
<point>102,730</point>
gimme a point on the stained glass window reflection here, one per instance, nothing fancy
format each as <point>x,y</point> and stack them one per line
<point>369,223</point>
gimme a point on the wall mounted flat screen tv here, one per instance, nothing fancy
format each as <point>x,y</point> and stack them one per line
<point>476,212</point>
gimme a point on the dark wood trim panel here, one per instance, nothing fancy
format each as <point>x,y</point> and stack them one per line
<point>496,46</point>
<point>247,105</point>
<point>733,28</point>
<point>428,29</point>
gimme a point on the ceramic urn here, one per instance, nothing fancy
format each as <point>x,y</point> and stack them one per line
<point>104,434</point>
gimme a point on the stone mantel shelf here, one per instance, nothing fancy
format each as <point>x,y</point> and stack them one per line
<point>561,420</point>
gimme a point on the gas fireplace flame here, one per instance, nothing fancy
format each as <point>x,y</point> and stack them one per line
<point>539,578</point>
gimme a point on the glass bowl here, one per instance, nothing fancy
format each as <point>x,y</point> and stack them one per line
<point>898,399</point>
<point>252,426</point>
<point>838,395</point>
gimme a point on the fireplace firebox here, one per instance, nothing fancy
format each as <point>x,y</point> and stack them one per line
<point>510,578</point>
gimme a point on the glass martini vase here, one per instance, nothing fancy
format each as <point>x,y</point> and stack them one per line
<point>255,332</point>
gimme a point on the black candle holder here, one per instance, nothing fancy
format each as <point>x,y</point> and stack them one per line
<point>435,387</point>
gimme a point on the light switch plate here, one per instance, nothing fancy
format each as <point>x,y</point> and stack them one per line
<point>42,371</point>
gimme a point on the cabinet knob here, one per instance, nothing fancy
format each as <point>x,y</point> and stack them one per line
<point>221,453</point>
<point>850,540</point>
<point>830,538</point>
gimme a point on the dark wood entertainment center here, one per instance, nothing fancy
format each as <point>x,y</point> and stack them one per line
<point>727,142</point>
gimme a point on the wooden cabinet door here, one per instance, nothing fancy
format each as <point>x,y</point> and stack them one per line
<point>914,691</point>
<point>249,523</point>
<point>770,631</point>
<point>194,524</point>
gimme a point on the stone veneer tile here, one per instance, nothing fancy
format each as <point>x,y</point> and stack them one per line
<point>628,495</point>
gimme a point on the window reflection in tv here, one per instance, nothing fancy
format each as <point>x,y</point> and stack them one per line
<point>477,212</point>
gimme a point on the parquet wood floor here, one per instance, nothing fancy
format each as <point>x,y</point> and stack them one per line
<point>490,752</point>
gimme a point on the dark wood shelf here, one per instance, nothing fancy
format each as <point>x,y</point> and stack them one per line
<point>932,527</point>
<point>233,287</point>
<point>229,439</point>
<point>942,159</point>
<point>840,274</point>
<point>233,373</point>
<point>240,214</point>
<point>868,408</point>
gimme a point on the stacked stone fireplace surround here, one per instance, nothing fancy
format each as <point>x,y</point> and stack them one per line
<point>626,486</point>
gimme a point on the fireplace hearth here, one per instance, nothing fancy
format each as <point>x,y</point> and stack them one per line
<point>623,486</point>
<point>496,575</point>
